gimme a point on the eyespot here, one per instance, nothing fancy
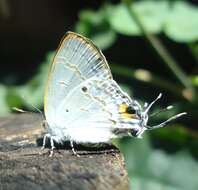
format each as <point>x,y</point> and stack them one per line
<point>130,110</point>
<point>84,89</point>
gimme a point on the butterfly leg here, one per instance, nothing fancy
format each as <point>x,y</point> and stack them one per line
<point>44,140</point>
<point>52,146</point>
<point>73,150</point>
<point>51,143</point>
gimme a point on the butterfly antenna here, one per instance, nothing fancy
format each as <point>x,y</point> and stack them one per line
<point>167,121</point>
<point>162,110</point>
<point>19,110</point>
<point>150,105</point>
<point>37,109</point>
<point>25,111</point>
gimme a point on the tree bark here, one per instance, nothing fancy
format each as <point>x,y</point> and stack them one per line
<point>24,166</point>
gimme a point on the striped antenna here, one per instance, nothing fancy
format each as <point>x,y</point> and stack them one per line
<point>167,121</point>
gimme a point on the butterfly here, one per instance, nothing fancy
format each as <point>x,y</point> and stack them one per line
<point>82,102</point>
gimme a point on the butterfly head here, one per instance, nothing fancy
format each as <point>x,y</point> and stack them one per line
<point>139,116</point>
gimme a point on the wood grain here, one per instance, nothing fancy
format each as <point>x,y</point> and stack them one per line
<point>24,166</point>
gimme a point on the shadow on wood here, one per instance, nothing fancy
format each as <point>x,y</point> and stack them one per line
<point>22,167</point>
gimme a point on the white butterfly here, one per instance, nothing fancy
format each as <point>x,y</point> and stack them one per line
<point>83,103</point>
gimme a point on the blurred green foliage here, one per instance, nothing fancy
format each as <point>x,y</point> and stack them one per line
<point>178,20</point>
<point>149,167</point>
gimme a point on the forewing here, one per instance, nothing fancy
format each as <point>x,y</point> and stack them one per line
<point>76,61</point>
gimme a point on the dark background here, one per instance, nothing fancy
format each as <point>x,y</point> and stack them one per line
<point>29,29</point>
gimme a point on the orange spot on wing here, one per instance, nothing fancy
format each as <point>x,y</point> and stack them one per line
<point>124,114</point>
<point>128,116</point>
<point>122,108</point>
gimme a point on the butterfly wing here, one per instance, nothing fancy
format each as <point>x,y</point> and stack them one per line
<point>82,100</point>
<point>90,112</point>
<point>93,101</point>
<point>76,61</point>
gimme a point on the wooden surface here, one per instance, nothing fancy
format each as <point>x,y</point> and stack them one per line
<point>24,166</point>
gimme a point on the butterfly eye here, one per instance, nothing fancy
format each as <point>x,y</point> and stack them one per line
<point>130,110</point>
<point>134,132</point>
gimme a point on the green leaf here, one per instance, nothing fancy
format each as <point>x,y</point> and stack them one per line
<point>93,24</point>
<point>179,19</point>
<point>150,168</point>
<point>13,98</point>
<point>104,39</point>
<point>121,21</point>
<point>3,103</point>
<point>182,22</point>
<point>92,17</point>
<point>151,13</point>
<point>195,80</point>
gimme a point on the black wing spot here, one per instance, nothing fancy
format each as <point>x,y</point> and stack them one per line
<point>67,110</point>
<point>130,110</point>
<point>84,89</point>
<point>117,91</point>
